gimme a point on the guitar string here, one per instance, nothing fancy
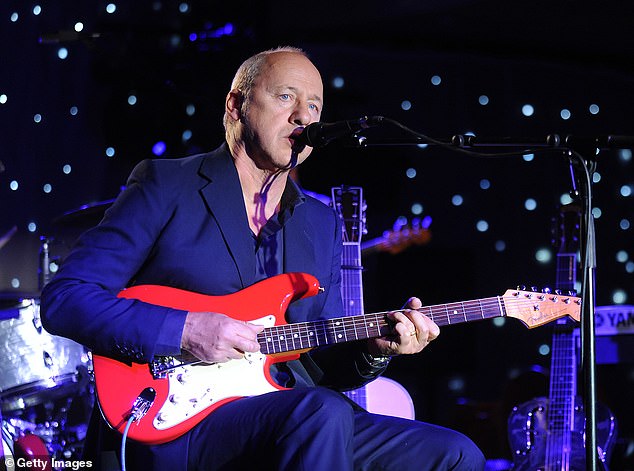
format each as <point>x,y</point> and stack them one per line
<point>307,334</point>
<point>562,380</point>
<point>352,297</point>
<point>461,312</point>
<point>561,407</point>
<point>448,311</point>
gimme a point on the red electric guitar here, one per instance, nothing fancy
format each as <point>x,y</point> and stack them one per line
<point>382,395</point>
<point>185,390</point>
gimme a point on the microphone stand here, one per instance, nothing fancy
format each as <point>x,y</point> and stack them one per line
<point>581,172</point>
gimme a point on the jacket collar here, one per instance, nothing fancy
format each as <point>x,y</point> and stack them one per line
<point>224,200</point>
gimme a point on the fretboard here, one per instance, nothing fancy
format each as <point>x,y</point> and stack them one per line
<point>307,335</point>
<point>351,279</point>
<point>563,374</point>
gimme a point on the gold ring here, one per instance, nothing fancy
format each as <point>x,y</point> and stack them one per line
<point>412,333</point>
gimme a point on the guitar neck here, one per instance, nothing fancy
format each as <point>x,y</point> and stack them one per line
<point>566,275</point>
<point>563,371</point>
<point>308,335</point>
<point>351,280</point>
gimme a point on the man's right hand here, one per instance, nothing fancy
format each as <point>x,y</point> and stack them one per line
<point>213,337</point>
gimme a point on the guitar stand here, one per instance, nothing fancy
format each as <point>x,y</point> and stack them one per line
<point>581,172</point>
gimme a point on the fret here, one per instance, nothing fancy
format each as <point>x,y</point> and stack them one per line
<point>360,328</point>
<point>311,339</point>
<point>471,310</point>
<point>500,309</point>
<point>295,338</point>
<point>492,309</point>
<point>319,335</point>
<point>345,330</point>
<point>481,309</point>
<point>367,330</point>
<point>287,334</point>
<point>279,337</point>
<point>451,311</point>
<point>265,340</point>
<point>446,309</point>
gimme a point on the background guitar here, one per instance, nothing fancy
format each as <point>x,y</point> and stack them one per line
<point>548,433</point>
<point>402,236</point>
<point>383,395</point>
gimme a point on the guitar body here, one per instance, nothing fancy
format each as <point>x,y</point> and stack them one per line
<point>529,435</point>
<point>187,394</point>
<point>387,397</point>
<point>383,395</point>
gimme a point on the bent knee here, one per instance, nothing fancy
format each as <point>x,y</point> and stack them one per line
<point>468,457</point>
<point>329,402</point>
<point>325,406</point>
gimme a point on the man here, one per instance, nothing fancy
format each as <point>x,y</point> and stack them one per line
<point>215,224</point>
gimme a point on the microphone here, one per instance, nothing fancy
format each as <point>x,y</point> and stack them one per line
<point>320,134</point>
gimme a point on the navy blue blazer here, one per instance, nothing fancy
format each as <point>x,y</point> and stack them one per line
<point>182,223</point>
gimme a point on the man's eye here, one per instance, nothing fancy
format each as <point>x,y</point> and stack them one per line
<point>285,96</point>
<point>314,107</point>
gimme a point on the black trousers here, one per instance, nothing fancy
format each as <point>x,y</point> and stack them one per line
<point>307,429</point>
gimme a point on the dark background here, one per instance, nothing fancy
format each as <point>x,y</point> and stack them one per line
<point>178,58</point>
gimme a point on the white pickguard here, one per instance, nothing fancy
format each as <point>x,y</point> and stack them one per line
<point>193,388</point>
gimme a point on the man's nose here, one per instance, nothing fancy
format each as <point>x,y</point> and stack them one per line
<point>301,114</point>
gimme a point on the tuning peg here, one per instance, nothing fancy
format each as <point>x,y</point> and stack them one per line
<point>521,287</point>
<point>572,292</point>
<point>546,290</point>
<point>534,289</point>
<point>558,292</point>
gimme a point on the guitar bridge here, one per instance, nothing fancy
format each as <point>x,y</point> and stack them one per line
<point>162,366</point>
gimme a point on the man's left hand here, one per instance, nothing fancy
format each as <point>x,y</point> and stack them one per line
<point>412,331</point>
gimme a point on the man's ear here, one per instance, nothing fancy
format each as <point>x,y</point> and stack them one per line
<point>233,104</point>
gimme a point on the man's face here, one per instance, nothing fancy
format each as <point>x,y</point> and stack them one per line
<point>287,94</point>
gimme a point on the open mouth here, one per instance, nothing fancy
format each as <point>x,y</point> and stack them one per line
<point>295,142</point>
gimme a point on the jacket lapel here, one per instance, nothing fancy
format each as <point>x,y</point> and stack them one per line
<point>224,200</point>
<point>299,247</point>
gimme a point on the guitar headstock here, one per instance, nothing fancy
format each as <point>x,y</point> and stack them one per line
<point>404,235</point>
<point>566,229</point>
<point>349,204</point>
<point>535,308</point>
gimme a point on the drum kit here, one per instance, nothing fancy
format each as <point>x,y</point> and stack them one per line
<point>46,384</point>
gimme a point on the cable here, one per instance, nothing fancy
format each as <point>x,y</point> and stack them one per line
<point>456,147</point>
<point>124,439</point>
<point>140,407</point>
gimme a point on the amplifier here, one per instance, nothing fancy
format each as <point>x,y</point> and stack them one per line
<point>614,334</point>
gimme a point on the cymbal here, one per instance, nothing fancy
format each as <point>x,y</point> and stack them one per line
<point>10,301</point>
<point>85,215</point>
